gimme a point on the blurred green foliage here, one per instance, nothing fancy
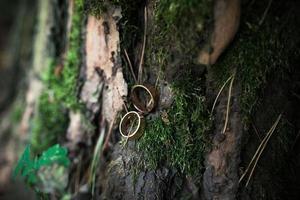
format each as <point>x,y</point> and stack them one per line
<point>28,168</point>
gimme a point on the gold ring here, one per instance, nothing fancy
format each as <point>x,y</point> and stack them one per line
<point>132,125</point>
<point>137,100</point>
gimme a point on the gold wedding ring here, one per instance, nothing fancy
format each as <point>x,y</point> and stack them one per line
<point>144,99</point>
<point>132,125</point>
<point>141,103</point>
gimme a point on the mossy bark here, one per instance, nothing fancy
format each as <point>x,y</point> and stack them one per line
<point>187,151</point>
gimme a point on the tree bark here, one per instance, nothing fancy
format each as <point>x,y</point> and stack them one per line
<point>86,41</point>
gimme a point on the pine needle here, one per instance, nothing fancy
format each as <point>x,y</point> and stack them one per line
<point>219,93</point>
<point>228,103</point>
<point>259,151</point>
<point>264,145</point>
<point>140,72</point>
<point>265,13</point>
<point>130,66</point>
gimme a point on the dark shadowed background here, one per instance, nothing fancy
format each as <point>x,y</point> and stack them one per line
<point>17,18</point>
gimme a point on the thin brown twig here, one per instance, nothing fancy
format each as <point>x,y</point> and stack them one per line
<point>140,72</point>
<point>130,66</point>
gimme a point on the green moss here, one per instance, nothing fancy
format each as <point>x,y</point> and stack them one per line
<point>17,111</point>
<point>79,3</point>
<point>178,26</point>
<point>65,86</point>
<point>257,52</point>
<point>60,93</point>
<point>181,14</point>
<point>182,142</point>
<point>97,7</point>
<point>49,123</point>
<point>176,34</point>
<point>254,60</point>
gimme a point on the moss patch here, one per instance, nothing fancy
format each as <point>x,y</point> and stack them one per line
<point>257,52</point>
<point>98,7</point>
<point>183,14</point>
<point>17,110</point>
<point>174,36</point>
<point>65,85</point>
<point>177,33</point>
<point>181,143</point>
<point>174,40</point>
<point>60,92</point>
<point>49,123</point>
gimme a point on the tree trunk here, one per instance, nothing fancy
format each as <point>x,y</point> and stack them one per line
<point>224,71</point>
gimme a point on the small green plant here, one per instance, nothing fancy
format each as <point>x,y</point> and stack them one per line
<point>29,168</point>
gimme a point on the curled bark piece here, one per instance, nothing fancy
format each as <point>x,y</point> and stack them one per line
<point>227,19</point>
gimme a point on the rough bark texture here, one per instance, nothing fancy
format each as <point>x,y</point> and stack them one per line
<point>122,183</point>
<point>43,51</point>
<point>102,89</point>
<point>123,178</point>
<point>14,64</point>
<point>103,65</point>
<point>220,179</point>
<point>15,58</point>
<point>103,84</point>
